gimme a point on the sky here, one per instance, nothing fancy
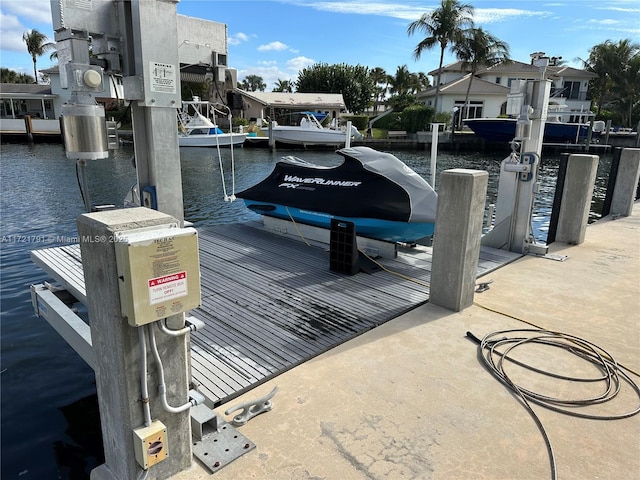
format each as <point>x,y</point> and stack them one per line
<point>275,39</point>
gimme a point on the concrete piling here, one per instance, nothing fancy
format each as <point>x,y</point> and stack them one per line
<point>626,182</point>
<point>576,198</point>
<point>456,243</point>
<point>116,346</point>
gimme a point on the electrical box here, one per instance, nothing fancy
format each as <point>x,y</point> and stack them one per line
<point>150,444</point>
<point>158,273</point>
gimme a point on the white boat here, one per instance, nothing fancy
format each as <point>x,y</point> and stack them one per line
<point>196,129</point>
<point>309,132</point>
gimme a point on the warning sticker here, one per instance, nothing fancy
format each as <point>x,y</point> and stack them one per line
<point>167,287</point>
<point>163,77</point>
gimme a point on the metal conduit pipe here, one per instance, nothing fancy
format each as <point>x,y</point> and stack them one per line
<point>193,325</point>
<point>162,389</point>
<point>143,378</point>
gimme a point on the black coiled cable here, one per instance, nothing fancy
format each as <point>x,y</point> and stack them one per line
<point>496,348</point>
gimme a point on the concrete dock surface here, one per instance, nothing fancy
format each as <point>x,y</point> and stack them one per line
<point>412,400</point>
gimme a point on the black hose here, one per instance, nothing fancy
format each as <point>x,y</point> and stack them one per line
<point>613,374</point>
<point>84,202</point>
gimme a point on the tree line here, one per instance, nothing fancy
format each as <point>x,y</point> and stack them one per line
<point>615,91</point>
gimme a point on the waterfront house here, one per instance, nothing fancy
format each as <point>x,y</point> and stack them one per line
<point>491,85</point>
<point>36,102</point>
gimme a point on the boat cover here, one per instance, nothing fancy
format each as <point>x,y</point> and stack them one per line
<point>367,184</point>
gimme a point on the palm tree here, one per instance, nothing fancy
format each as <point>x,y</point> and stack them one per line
<point>37,45</point>
<point>477,49</point>
<point>283,86</point>
<point>443,27</point>
<point>381,84</point>
<point>402,81</point>
<point>423,81</point>
<point>616,65</point>
<point>253,83</point>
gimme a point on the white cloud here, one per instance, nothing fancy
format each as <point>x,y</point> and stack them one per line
<point>496,15</point>
<point>11,33</point>
<point>269,74</point>
<point>604,21</point>
<point>298,63</point>
<point>32,11</point>
<point>273,46</point>
<point>17,17</point>
<point>238,38</point>
<point>390,9</point>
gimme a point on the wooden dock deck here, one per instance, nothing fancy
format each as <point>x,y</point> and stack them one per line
<point>271,303</point>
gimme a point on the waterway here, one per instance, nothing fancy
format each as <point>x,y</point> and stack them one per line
<point>49,418</point>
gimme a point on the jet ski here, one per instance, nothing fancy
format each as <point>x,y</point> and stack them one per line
<point>383,197</point>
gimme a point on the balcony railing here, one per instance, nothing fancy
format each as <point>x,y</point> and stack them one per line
<point>563,92</point>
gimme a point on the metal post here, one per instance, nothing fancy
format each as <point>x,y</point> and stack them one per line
<point>515,195</point>
<point>137,38</point>
<point>435,131</point>
<point>152,82</point>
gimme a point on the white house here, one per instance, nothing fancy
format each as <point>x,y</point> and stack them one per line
<point>491,85</point>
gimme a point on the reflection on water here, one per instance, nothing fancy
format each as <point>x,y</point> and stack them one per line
<point>41,375</point>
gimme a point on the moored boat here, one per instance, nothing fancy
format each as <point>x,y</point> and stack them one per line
<point>383,197</point>
<point>556,129</point>
<point>504,130</point>
<point>196,129</point>
<point>309,132</point>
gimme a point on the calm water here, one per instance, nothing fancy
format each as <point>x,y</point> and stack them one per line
<point>50,427</point>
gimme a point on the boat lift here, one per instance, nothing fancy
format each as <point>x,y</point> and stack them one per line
<point>137,39</point>
<point>518,183</point>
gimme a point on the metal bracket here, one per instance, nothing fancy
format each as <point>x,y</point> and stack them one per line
<point>483,286</point>
<point>216,443</point>
<point>251,409</point>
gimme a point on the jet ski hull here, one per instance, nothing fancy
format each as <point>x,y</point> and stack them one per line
<point>382,196</point>
<point>386,230</point>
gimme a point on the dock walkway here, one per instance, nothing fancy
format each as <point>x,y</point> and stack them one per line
<point>411,400</point>
<point>271,303</point>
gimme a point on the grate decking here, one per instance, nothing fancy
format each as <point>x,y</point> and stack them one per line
<point>271,303</point>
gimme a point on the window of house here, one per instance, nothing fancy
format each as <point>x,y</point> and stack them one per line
<point>48,109</point>
<point>474,109</point>
<point>5,109</point>
<point>498,80</point>
<point>572,90</point>
<point>511,80</point>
